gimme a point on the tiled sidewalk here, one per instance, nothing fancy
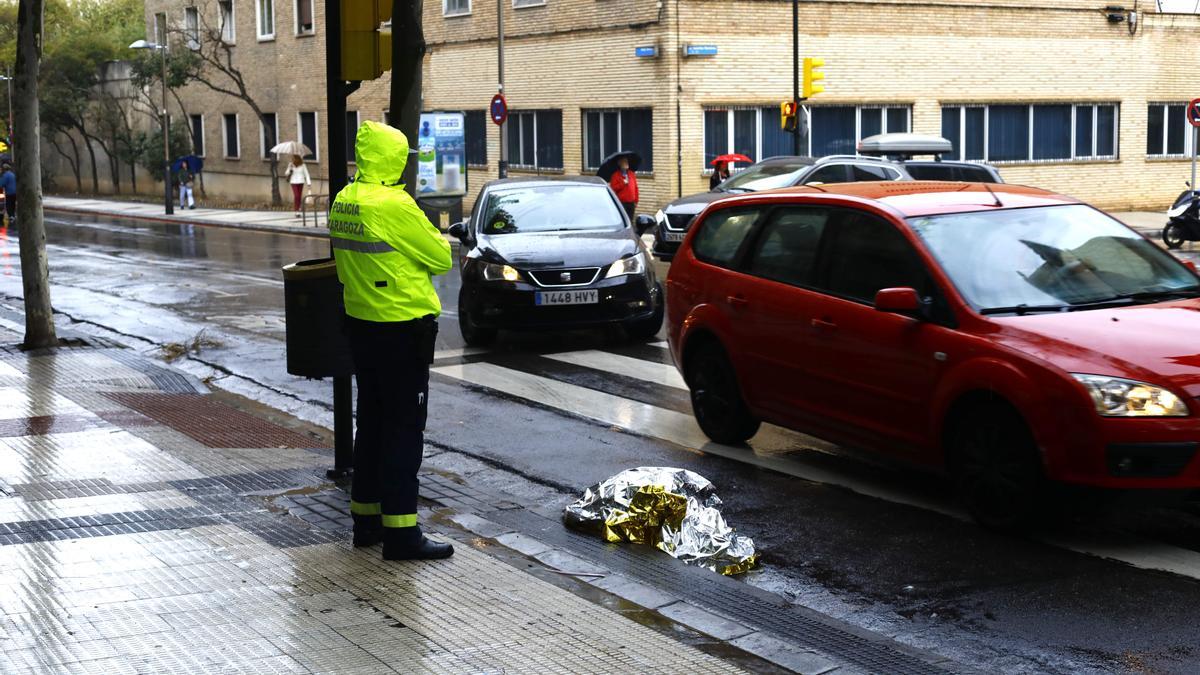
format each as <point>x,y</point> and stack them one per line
<point>134,538</point>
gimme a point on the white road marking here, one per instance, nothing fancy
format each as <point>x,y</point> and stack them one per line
<point>649,371</point>
<point>648,420</point>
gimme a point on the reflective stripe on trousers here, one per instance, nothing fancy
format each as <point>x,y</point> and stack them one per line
<point>362,246</point>
<point>406,520</point>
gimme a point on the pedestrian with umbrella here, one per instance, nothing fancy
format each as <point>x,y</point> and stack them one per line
<point>619,169</point>
<point>297,172</point>
<point>721,168</point>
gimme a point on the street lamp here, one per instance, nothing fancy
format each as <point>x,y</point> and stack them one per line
<point>168,198</point>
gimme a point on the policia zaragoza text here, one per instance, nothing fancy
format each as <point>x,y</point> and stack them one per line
<point>386,252</point>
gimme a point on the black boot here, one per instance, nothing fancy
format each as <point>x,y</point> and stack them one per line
<point>408,543</point>
<point>368,530</point>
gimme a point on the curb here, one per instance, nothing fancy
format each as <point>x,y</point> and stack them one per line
<point>298,230</point>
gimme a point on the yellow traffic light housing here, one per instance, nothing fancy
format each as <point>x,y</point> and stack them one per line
<point>812,74</point>
<point>787,115</point>
<point>366,48</point>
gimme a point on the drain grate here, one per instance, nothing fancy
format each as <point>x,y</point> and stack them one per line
<point>210,422</point>
<point>736,600</point>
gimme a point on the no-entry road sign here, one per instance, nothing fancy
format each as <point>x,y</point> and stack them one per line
<point>1193,112</point>
<point>499,109</point>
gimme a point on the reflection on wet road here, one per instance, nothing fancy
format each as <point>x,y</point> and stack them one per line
<point>1012,605</point>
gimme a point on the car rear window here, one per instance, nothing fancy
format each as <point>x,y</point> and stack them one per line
<point>954,172</point>
<point>721,235</point>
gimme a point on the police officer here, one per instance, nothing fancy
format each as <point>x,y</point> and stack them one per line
<point>386,252</point>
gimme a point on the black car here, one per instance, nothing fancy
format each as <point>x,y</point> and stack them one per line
<point>549,253</point>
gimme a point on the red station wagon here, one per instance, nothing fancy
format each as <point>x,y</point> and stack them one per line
<point>1006,334</point>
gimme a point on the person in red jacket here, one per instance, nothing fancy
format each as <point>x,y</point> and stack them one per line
<point>624,183</point>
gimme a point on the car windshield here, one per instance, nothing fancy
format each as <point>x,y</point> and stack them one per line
<point>1054,258</point>
<point>764,177</point>
<point>550,208</point>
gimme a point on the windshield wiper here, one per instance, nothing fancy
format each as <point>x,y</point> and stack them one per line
<point>1025,309</point>
<point>1163,294</point>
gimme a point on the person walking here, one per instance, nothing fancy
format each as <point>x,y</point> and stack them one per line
<point>624,183</point>
<point>8,182</point>
<point>298,177</point>
<point>387,251</point>
<point>719,175</point>
<point>185,177</point>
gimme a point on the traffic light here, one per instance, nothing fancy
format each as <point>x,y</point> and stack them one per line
<point>811,75</point>
<point>366,49</point>
<point>787,115</point>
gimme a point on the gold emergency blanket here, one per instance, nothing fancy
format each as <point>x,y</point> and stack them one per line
<point>672,509</point>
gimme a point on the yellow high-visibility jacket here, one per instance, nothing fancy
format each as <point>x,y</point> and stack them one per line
<point>386,249</point>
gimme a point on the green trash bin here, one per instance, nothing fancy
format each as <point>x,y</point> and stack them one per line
<point>317,346</point>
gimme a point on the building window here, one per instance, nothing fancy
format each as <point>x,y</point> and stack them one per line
<point>269,134</point>
<point>476,137</point>
<point>517,4</point>
<point>1168,133</point>
<point>609,131</point>
<point>197,134</point>
<point>833,130</point>
<point>535,139</point>
<point>1031,133</point>
<point>306,122</point>
<point>191,27</point>
<point>304,17</point>
<point>160,29</point>
<point>456,7</point>
<point>265,13</point>
<point>230,131</point>
<point>225,9</point>
<point>351,133</point>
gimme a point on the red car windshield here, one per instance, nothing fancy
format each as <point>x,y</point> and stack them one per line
<point>1054,258</point>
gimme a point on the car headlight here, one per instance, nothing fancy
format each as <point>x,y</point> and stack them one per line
<point>1118,397</point>
<point>494,272</point>
<point>660,217</point>
<point>634,264</point>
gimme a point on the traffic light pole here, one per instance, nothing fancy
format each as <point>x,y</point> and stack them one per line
<point>408,51</point>
<point>796,73</point>
<point>336,91</point>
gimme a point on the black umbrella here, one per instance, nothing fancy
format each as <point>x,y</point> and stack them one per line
<point>194,164</point>
<point>609,166</point>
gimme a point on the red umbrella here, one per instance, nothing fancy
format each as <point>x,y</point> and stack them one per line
<point>729,159</point>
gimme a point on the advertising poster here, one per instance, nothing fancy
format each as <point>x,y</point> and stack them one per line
<point>442,155</point>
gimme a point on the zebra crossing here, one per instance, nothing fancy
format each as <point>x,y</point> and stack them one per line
<point>636,388</point>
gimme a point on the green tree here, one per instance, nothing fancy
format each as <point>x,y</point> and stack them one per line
<point>151,145</point>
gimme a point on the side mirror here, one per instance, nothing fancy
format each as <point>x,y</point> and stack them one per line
<point>643,223</point>
<point>458,230</point>
<point>898,301</point>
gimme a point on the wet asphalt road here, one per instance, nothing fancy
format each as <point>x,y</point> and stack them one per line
<point>877,546</point>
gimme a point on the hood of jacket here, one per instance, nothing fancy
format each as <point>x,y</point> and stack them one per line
<point>381,153</point>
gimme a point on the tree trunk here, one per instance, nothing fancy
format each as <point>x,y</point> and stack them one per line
<point>35,270</point>
<point>87,143</point>
<point>133,176</point>
<point>73,163</point>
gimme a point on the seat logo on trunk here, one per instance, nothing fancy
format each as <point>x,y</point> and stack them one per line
<point>565,276</point>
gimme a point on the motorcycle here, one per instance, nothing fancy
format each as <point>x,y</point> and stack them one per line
<point>1184,215</point>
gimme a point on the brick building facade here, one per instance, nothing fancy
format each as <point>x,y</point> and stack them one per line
<point>1060,95</point>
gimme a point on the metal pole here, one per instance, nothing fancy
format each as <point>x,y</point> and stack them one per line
<point>335,144</point>
<point>503,173</point>
<point>1195,136</point>
<point>796,73</point>
<point>168,197</point>
<point>8,78</point>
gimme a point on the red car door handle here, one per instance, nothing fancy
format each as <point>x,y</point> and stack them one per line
<point>737,300</point>
<point>824,324</point>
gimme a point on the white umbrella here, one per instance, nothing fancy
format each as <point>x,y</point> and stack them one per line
<point>291,148</point>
